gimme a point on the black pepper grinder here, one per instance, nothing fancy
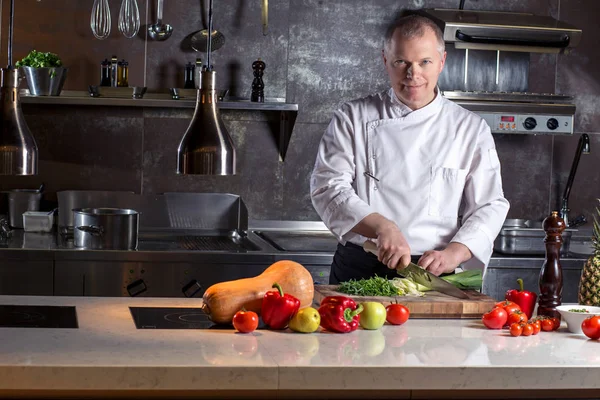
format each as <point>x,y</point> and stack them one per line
<point>551,279</point>
<point>258,94</point>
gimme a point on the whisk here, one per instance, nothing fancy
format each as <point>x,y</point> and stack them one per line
<point>100,21</point>
<point>129,18</point>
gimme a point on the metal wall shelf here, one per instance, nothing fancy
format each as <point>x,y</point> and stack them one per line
<point>287,111</point>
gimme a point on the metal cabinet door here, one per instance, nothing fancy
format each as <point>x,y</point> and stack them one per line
<point>26,277</point>
<point>498,280</point>
<point>110,278</point>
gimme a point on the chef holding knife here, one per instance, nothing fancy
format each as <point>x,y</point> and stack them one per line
<point>408,169</point>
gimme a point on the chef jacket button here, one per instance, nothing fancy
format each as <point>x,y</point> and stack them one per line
<point>375,188</point>
<point>374,156</point>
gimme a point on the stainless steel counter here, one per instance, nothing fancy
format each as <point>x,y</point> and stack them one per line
<point>166,262</point>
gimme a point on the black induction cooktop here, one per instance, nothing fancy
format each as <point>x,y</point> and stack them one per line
<point>31,316</point>
<point>174,318</point>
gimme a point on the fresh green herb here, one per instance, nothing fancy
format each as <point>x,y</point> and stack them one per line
<point>581,310</point>
<point>376,286</point>
<point>37,59</point>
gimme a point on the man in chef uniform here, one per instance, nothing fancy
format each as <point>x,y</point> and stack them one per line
<point>415,173</point>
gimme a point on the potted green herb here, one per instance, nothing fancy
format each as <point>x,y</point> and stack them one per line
<point>44,72</point>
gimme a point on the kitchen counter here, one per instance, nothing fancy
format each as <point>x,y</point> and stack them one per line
<point>108,357</point>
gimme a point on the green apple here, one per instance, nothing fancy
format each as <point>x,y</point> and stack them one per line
<point>373,315</point>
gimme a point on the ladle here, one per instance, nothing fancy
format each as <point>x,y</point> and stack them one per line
<point>159,31</point>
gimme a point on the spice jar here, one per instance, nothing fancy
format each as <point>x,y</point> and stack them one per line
<point>123,73</point>
<point>105,73</point>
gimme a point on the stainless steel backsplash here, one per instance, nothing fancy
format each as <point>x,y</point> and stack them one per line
<point>512,69</point>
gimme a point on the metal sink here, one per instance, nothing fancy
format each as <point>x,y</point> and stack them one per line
<point>526,237</point>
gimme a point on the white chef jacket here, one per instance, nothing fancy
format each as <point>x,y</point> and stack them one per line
<point>434,172</point>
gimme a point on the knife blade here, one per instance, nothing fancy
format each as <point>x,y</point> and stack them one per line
<point>422,276</point>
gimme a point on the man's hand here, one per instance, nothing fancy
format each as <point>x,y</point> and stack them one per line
<point>392,247</point>
<point>444,261</point>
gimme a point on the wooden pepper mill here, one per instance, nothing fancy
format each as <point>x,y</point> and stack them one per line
<point>258,94</point>
<point>551,279</point>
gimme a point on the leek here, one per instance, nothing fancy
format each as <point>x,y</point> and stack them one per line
<point>466,280</point>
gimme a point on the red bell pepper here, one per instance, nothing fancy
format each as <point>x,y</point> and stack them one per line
<point>340,314</point>
<point>277,308</point>
<point>524,299</point>
<point>346,302</point>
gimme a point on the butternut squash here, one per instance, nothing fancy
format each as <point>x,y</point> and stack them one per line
<point>222,300</point>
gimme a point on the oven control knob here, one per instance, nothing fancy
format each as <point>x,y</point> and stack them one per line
<point>136,288</point>
<point>530,123</point>
<point>552,124</point>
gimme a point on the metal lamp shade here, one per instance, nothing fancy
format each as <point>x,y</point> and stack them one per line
<point>206,147</point>
<point>18,150</point>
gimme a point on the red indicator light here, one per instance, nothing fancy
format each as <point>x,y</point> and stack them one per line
<point>507,119</point>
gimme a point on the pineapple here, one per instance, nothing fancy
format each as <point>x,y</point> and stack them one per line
<point>589,285</point>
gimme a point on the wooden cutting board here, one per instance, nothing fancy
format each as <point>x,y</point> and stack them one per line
<point>432,305</point>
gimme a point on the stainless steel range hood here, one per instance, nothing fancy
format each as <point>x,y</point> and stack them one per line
<point>505,31</point>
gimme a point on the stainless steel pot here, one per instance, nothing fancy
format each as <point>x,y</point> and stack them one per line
<point>105,228</point>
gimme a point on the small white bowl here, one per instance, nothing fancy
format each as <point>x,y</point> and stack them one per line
<point>574,319</point>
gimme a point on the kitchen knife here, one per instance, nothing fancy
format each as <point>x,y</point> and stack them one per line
<point>422,276</point>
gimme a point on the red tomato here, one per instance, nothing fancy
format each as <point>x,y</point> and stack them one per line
<point>527,329</point>
<point>516,317</point>
<point>509,306</point>
<point>516,329</point>
<point>555,322</point>
<point>495,319</point>
<point>591,327</point>
<point>245,321</point>
<point>547,325</point>
<point>537,326</point>
<point>397,314</point>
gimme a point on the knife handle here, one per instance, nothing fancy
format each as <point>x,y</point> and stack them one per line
<point>370,247</point>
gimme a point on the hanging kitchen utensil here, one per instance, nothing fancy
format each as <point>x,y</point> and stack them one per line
<point>159,31</point>
<point>199,40</point>
<point>265,17</point>
<point>100,20</point>
<point>129,18</point>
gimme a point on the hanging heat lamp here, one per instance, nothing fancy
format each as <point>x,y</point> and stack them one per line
<point>18,150</point>
<point>206,147</point>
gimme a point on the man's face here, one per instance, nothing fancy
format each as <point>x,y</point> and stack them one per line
<point>414,66</point>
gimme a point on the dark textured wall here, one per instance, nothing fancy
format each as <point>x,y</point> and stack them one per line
<point>318,54</point>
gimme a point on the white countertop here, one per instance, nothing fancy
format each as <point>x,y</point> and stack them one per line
<point>108,352</point>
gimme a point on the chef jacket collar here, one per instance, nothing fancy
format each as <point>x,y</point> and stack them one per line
<point>404,110</point>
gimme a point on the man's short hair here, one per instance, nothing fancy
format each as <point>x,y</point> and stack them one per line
<point>412,26</point>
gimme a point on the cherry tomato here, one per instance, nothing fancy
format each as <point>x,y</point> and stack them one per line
<point>591,327</point>
<point>537,326</point>
<point>495,319</point>
<point>397,314</point>
<point>547,325</point>
<point>509,306</point>
<point>516,317</point>
<point>555,322</point>
<point>245,321</point>
<point>516,329</point>
<point>527,329</point>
